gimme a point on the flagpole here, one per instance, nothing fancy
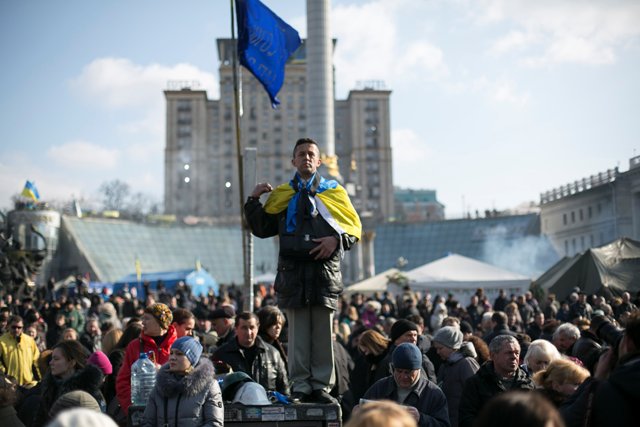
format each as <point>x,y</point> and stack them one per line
<point>247,239</point>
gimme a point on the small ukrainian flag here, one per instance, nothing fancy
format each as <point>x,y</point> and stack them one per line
<point>30,191</point>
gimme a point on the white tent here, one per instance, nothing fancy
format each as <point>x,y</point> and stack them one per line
<point>377,283</point>
<point>461,276</point>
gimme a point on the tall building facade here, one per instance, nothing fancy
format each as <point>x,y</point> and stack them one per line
<point>201,167</point>
<point>593,211</point>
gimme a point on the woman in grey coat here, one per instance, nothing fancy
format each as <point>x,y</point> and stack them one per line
<point>459,364</point>
<point>186,393</point>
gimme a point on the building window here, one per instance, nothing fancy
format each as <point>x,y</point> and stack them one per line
<point>566,247</point>
<point>581,215</point>
<point>573,217</point>
<point>573,245</point>
<point>582,243</point>
<point>564,219</point>
<point>589,212</point>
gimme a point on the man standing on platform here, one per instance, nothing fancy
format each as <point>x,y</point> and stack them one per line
<point>316,223</point>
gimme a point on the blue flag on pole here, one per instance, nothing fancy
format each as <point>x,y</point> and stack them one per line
<point>265,43</point>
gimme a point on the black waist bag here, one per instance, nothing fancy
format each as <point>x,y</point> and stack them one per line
<point>308,227</point>
<point>298,244</point>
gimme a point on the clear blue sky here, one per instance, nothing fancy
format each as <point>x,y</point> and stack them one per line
<point>494,101</point>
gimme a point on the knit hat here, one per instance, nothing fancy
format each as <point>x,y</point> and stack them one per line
<point>81,417</point>
<point>448,336</point>
<point>226,311</point>
<point>190,347</point>
<point>400,327</point>
<point>407,356</point>
<point>74,399</point>
<point>162,313</point>
<point>101,360</point>
<point>465,327</point>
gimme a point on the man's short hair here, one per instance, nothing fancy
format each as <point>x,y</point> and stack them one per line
<point>15,319</point>
<point>568,330</point>
<point>499,317</point>
<point>498,342</point>
<point>304,141</point>
<point>246,316</point>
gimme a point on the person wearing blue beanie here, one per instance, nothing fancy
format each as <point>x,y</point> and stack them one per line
<point>409,386</point>
<point>407,356</point>
<point>190,347</point>
<point>186,391</point>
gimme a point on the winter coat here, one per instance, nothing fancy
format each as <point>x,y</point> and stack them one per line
<point>452,376</point>
<point>614,401</point>
<point>267,369</point>
<point>300,283</point>
<point>75,320</point>
<point>366,371</point>
<point>132,353</point>
<point>426,397</point>
<point>19,359</point>
<point>483,386</point>
<point>188,400</point>
<point>88,379</point>
<point>9,418</point>
<point>92,343</point>
<point>587,349</point>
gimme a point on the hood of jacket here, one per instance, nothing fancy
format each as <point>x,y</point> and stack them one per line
<point>88,379</point>
<point>169,384</point>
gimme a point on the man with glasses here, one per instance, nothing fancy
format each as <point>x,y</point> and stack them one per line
<point>19,354</point>
<point>408,386</point>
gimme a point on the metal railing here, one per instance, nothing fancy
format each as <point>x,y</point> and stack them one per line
<point>579,186</point>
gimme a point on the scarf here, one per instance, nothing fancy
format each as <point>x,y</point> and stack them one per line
<point>327,197</point>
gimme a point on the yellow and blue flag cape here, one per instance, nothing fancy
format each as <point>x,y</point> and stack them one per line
<point>30,191</point>
<point>332,202</point>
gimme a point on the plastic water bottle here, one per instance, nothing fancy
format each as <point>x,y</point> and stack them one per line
<point>143,378</point>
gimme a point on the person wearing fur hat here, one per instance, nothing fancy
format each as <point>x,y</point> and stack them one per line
<point>186,391</point>
<point>408,386</point>
<point>68,371</point>
<point>457,367</point>
<point>158,334</point>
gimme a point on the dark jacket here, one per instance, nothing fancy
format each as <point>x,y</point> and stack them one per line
<point>483,386</point>
<point>91,343</point>
<point>299,283</point>
<point>426,397</point>
<point>267,369</point>
<point>9,418</point>
<point>587,349</point>
<point>366,371</point>
<point>452,376</point>
<point>615,401</point>
<point>195,399</point>
<point>88,379</point>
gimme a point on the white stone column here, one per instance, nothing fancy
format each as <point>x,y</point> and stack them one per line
<point>320,115</point>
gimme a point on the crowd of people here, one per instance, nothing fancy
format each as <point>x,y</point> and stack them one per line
<point>445,363</point>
